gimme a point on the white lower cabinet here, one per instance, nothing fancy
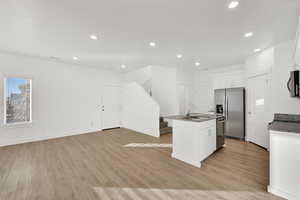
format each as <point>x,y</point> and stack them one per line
<point>285,164</point>
<point>207,142</point>
<point>193,141</point>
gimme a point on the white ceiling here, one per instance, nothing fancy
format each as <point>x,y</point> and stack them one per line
<point>200,30</point>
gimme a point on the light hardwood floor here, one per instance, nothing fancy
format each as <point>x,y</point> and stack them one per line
<point>98,166</point>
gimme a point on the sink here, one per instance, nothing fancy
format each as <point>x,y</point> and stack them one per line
<point>200,118</point>
<point>196,118</point>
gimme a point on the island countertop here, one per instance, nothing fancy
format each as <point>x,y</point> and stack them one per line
<point>288,127</point>
<point>195,117</point>
<point>284,156</point>
<point>285,123</point>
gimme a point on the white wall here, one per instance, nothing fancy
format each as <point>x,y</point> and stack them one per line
<point>164,89</point>
<point>66,98</point>
<point>140,75</point>
<point>297,53</point>
<point>184,81</point>
<point>230,78</point>
<point>257,65</point>
<point>165,85</point>
<point>283,64</point>
<point>184,76</point>
<point>202,92</point>
<point>206,81</point>
<point>277,62</point>
<point>261,63</point>
<point>139,111</point>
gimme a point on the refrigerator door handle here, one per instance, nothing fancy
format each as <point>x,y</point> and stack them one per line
<point>227,107</point>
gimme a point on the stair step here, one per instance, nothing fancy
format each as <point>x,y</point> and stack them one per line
<point>163,125</point>
<point>166,130</point>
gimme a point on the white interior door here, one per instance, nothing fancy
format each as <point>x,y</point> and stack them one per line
<point>111,107</point>
<point>257,110</point>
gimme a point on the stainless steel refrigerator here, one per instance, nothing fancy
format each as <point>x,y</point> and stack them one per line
<point>230,103</point>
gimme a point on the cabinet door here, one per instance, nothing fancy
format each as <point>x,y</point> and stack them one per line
<point>213,138</point>
<point>206,143</point>
<point>209,134</point>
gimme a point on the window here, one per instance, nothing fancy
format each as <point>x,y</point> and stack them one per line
<point>17,100</point>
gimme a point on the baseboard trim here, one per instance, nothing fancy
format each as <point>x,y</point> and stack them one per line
<point>191,162</point>
<point>29,140</point>
<point>107,129</point>
<point>144,133</point>
<point>282,193</point>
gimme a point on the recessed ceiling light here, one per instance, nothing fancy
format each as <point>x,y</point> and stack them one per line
<point>257,50</point>
<point>123,66</point>
<point>75,58</point>
<point>152,44</point>
<point>93,37</point>
<point>233,4</point>
<point>197,64</point>
<point>179,56</point>
<point>247,35</point>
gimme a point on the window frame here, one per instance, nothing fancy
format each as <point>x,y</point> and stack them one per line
<point>5,98</point>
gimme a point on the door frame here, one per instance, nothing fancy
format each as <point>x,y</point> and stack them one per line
<point>248,109</point>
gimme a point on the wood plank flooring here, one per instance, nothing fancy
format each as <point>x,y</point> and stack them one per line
<point>98,166</point>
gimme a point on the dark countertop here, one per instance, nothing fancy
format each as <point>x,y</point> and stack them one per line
<point>290,127</point>
<point>202,117</point>
<point>288,123</point>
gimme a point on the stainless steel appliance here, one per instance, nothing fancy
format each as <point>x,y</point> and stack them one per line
<point>220,131</point>
<point>230,103</point>
<point>293,84</point>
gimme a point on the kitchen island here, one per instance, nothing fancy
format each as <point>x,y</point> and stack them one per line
<point>284,156</point>
<point>194,138</point>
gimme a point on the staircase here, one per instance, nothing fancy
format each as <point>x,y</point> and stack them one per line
<point>163,127</point>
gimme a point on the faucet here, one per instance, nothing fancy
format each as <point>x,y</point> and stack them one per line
<point>188,113</point>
